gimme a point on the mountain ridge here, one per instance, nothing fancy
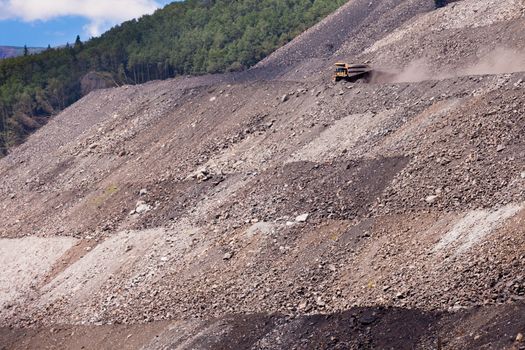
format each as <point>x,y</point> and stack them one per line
<point>15,51</point>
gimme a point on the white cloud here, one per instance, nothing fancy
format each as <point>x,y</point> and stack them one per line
<point>101,14</point>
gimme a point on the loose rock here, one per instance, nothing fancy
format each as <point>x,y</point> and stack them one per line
<point>302,218</point>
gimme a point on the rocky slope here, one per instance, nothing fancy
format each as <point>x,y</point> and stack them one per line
<point>274,209</point>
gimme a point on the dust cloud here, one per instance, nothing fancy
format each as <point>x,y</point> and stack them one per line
<point>417,70</point>
<point>498,61</point>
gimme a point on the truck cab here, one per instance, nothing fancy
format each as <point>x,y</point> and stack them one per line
<point>351,72</point>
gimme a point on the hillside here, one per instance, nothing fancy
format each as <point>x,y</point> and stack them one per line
<point>188,37</point>
<point>274,209</point>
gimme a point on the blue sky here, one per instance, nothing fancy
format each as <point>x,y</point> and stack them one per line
<point>38,23</point>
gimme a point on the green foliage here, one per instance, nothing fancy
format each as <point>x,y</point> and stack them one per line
<point>189,37</point>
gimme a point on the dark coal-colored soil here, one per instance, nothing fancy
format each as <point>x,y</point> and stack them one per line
<point>357,328</point>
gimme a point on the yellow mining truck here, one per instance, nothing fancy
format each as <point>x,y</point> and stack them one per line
<point>352,72</point>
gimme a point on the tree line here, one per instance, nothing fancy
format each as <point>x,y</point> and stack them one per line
<point>189,37</point>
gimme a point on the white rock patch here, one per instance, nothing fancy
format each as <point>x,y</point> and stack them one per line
<point>25,261</point>
<point>475,226</point>
<point>80,280</point>
<point>343,134</point>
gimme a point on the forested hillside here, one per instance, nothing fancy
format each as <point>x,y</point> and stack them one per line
<point>189,37</point>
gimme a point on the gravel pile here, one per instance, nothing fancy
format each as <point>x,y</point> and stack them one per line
<point>292,203</point>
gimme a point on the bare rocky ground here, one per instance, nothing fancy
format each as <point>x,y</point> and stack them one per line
<point>273,209</point>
